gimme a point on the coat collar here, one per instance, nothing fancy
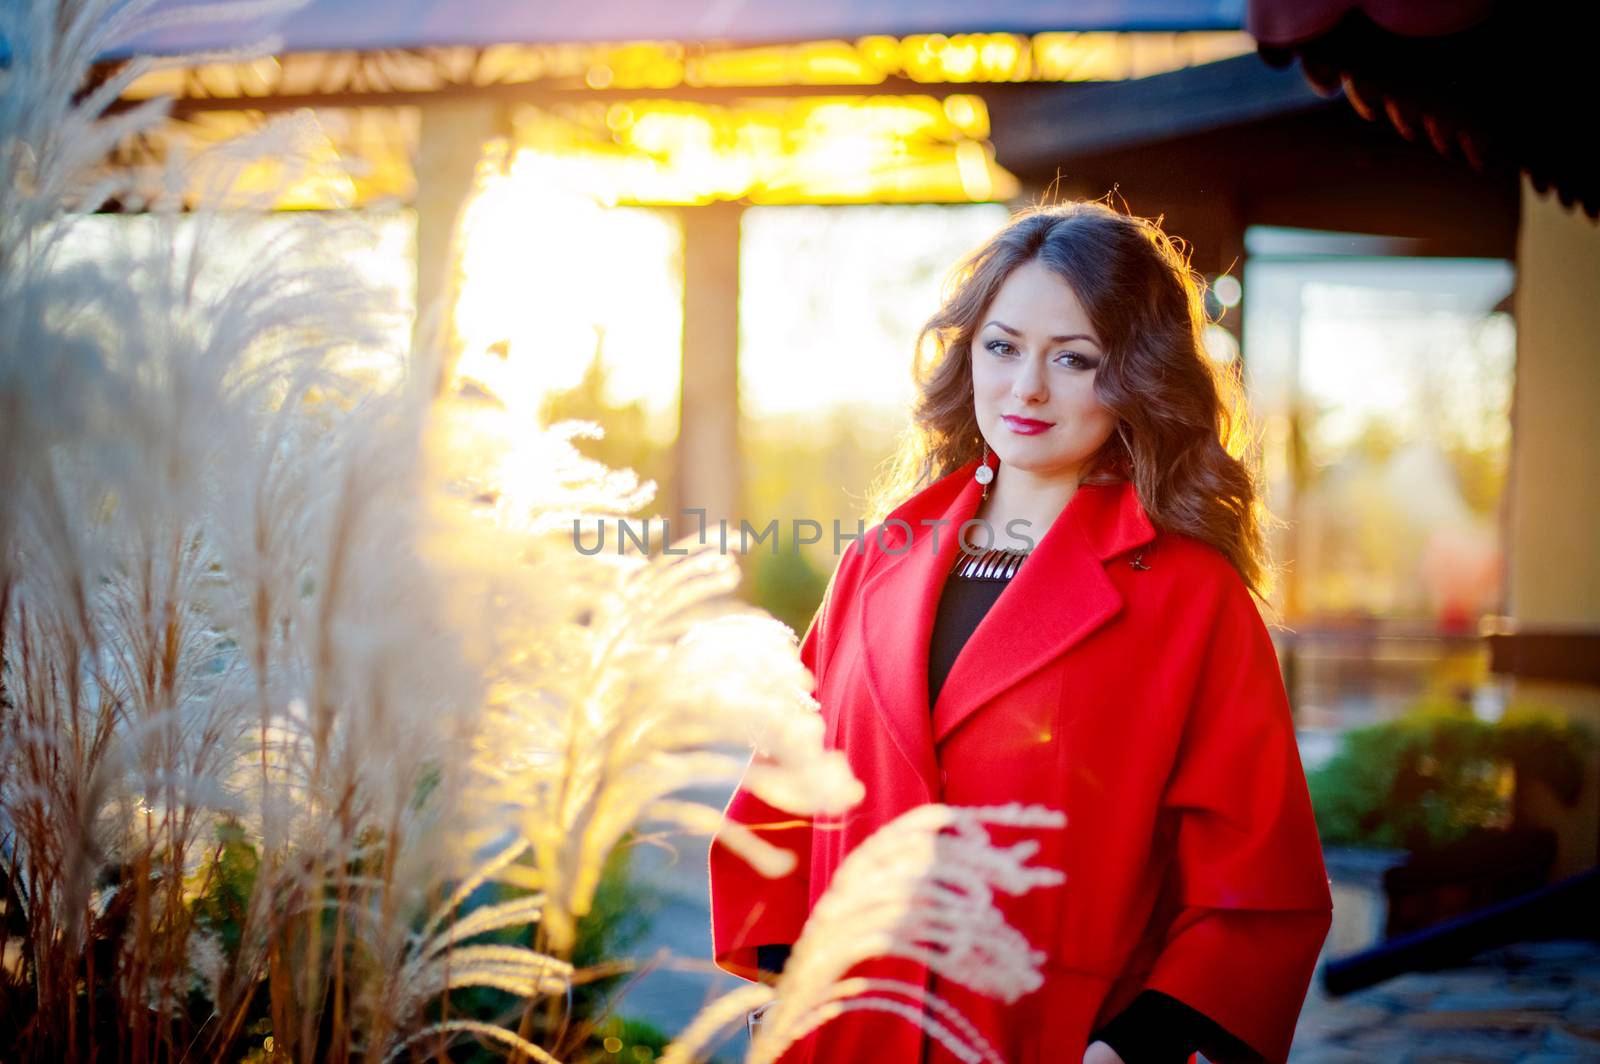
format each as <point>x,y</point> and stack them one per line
<point>1058,597</point>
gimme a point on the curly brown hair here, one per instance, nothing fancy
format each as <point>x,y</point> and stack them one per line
<point>1184,436</point>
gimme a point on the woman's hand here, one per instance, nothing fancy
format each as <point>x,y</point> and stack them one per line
<point>1100,1053</point>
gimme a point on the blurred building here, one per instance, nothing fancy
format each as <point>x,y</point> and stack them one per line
<point>1415,318</point>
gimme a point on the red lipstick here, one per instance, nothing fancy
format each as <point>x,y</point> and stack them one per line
<point>1025,426</point>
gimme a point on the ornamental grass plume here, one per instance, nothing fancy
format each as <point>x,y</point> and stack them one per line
<point>204,597</point>
<point>298,662</point>
<point>921,887</point>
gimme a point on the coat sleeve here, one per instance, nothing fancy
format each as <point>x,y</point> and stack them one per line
<point>1254,900</point>
<point>747,908</point>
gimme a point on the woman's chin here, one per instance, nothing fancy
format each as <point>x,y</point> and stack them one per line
<point>1043,466</point>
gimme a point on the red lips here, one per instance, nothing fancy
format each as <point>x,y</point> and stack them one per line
<point>1027,426</point>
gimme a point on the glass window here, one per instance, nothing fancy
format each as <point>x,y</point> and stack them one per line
<point>1383,382</point>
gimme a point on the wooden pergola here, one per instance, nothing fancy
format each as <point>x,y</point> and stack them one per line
<point>465,70</point>
<point>1166,103</point>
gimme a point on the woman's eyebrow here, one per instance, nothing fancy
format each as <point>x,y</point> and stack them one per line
<point>1054,339</point>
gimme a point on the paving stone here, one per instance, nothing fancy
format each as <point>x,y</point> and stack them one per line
<point>1411,990</point>
<point>1502,999</point>
<point>1584,1013</point>
<point>1541,977</point>
<point>1586,979</point>
<point>1525,1003</point>
<point>1341,1017</point>
<point>1565,950</point>
<point>1464,1055</point>
<point>1470,980</point>
<point>1570,1038</point>
<point>1466,1047</point>
<point>1486,1018</point>
<point>1379,1043</point>
<point>1328,1054</point>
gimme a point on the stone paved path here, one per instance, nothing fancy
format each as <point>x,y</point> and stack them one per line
<point>670,995</point>
<point>1528,1003</point>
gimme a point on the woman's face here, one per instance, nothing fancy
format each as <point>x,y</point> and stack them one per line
<point>1033,365</point>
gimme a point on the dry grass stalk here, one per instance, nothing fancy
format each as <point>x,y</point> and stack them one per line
<point>288,673</point>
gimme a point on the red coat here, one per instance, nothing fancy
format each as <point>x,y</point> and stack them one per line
<point>1145,702</point>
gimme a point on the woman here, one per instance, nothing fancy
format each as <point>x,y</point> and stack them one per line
<point>1102,655</point>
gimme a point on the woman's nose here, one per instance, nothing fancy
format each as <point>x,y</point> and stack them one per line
<point>1029,383</point>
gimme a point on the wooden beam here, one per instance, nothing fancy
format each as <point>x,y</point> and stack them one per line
<point>1063,121</point>
<point>1001,93</point>
<point>1562,656</point>
<point>1316,168</point>
<point>709,467</point>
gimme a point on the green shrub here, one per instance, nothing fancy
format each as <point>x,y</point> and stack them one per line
<point>786,585</point>
<point>1438,772</point>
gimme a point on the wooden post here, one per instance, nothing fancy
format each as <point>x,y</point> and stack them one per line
<point>1553,569</point>
<point>453,136</point>
<point>708,463</point>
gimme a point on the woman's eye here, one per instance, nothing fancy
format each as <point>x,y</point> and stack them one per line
<point>996,345</point>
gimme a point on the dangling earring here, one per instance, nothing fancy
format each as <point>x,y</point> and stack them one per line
<point>983,474</point>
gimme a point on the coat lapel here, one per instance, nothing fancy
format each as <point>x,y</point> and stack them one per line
<point>898,602</point>
<point>1058,597</point>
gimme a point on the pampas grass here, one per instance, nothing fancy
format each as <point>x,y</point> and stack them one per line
<point>920,887</point>
<point>297,659</point>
